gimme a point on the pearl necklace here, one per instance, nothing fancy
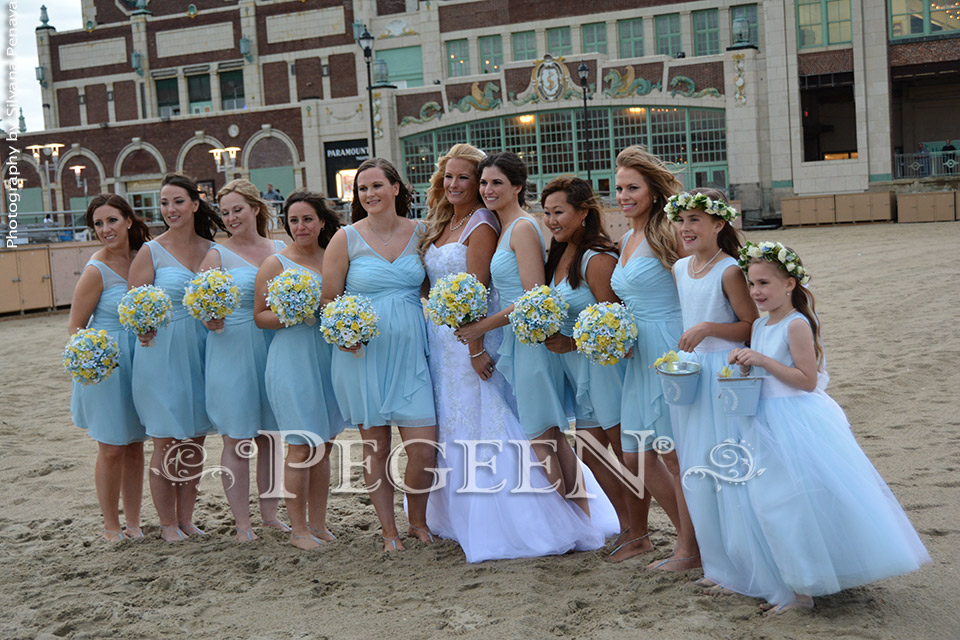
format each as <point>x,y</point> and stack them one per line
<point>454,227</point>
<point>700,270</point>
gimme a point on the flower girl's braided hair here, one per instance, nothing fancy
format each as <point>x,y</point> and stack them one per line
<point>790,264</point>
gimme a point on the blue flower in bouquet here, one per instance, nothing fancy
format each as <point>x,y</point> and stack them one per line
<point>456,300</point>
<point>294,296</point>
<point>212,294</point>
<point>144,309</point>
<point>91,355</point>
<point>538,314</point>
<point>604,332</point>
<point>349,320</point>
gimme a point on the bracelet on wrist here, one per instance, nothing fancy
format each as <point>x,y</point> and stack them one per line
<point>478,354</point>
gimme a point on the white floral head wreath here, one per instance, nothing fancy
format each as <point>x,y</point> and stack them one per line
<point>788,260</point>
<point>686,201</point>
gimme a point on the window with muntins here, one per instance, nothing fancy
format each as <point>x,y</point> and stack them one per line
<point>491,53</point>
<point>231,90</point>
<point>458,58</point>
<point>823,22</point>
<point>631,37</point>
<point>706,32</point>
<point>198,90</point>
<point>594,37</point>
<point>912,18</point>
<point>559,42</point>
<point>748,11</point>
<point>168,97</point>
<point>525,45</point>
<point>668,34</point>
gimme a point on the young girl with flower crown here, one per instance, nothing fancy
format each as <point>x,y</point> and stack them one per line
<point>825,520</point>
<point>717,314</point>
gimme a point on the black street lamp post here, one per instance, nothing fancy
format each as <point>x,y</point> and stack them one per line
<point>584,72</point>
<point>366,43</point>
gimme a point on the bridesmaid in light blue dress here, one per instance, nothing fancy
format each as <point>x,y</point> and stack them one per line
<point>106,409</point>
<point>236,355</point>
<point>825,520</point>
<point>535,375</point>
<point>582,259</point>
<point>168,384</point>
<point>388,382</point>
<point>298,374</point>
<point>644,281</point>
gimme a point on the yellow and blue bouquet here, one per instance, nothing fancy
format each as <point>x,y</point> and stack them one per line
<point>350,320</point>
<point>91,355</point>
<point>538,314</point>
<point>294,297</point>
<point>212,294</point>
<point>604,332</point>
<point>144,309</point>
<point>456,300</point>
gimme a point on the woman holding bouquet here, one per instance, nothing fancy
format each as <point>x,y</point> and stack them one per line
<point>474,402</point>
<point>387,382</point>
<point>168,385</point>
<point>644,281</point>
<point>582,258</point>
<point>298,372</point>
<point>106,409</point>
<point>236,356</point>
<point>536,377</point>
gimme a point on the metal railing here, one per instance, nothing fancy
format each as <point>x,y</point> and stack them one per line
<point>926,165</point>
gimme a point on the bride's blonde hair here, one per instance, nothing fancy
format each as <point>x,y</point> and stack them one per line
<point>439,210</point>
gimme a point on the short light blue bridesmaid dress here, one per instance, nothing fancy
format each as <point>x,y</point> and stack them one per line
<point>647,288</point>
<point>827,520</point>
<point>168,385</point>
<point>596,388</point>
<point>298,379</point>
<point>236,358</point>
<point>106,409</point>
<point>390,383</point>
<point>535,376</point>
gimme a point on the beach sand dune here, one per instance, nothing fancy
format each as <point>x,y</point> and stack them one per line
<point>888,299</point>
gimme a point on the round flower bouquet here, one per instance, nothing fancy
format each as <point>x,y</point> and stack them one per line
<point>538,314</point>
<point>144,309</point>
<point>212,294</point>
<point>91,355</point>
<point>348,321</point>
<point>294,296</point>
<point>604,332</point>
<point>456,300</point>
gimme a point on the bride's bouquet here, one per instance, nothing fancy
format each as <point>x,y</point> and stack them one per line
<point>538,314</point>
<point>144,309</point>
<point>456,300</point>
<point>212,294</point>
<point>91,355</point>
<point>604,332</point>
<point>294,296</point>
<point>348,321</point>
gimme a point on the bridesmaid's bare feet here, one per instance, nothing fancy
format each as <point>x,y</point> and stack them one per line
<point>423,535</point>
<point>305,543</point>
<point>392,544</point>
<point>630,548</point>
<point>676,563</point>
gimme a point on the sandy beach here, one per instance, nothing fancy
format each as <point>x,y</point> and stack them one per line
<point>887,295</point>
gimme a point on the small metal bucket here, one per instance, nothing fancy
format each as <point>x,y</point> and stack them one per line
<point>679,380</point>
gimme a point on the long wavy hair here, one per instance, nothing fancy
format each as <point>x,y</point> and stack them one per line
<point>594,236</point>
<point>331,221</point>
<point>138,234</point>
<point>659,232</point>
<point>251,194</point>
<point>206,220</point>
<point>404,198</point>
<point>729,239</point>
<point>439,210</point>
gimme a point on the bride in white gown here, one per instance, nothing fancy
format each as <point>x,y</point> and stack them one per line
<point>475,403</point>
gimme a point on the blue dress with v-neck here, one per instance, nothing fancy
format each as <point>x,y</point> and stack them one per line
<point>168,385</point>
<point>390,383</point>
<point>106,409</point>
<point>236,360</point>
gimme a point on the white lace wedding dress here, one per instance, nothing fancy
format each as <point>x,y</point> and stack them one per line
<point>496,524</point>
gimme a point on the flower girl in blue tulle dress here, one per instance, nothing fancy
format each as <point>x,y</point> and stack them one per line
<point>824,520</point>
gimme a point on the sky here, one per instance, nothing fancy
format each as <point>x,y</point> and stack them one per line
<point>65,16</point>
